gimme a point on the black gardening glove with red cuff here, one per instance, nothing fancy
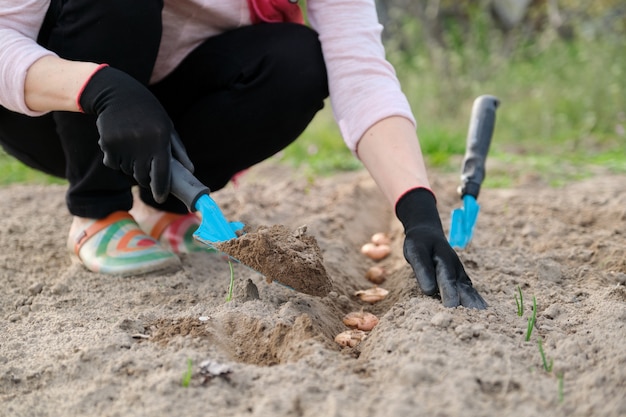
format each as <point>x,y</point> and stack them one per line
<point>136,133</point>
<point>437,267</point>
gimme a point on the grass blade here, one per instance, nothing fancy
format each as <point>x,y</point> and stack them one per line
<point>519,302</point>
<point>546,367</point>
<point>531,320</point>
<point>188,374</point>
<point>231,286</point>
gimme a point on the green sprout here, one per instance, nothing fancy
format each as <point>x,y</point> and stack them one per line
<point>519,302</point>
<point>561,395</point>
<point>187,375</point>
<point>531,320</point>
<point>231,286</point>
<point>546,367</point>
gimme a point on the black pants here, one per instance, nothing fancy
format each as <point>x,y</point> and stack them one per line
<point>237,99</point>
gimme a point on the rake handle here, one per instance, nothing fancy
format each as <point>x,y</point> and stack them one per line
<point>482,123</point>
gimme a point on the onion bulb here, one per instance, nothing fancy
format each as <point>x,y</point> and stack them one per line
<point>376,274</point>
<point>376,252</point>
<point>372,295</point>
<point>360,320</point>
<point>381,238</point>
<point>350,338</point>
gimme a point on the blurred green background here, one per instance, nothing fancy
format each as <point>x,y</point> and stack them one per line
<point>558,67</point>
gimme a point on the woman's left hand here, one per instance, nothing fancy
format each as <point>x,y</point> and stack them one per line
<point>437,267</point>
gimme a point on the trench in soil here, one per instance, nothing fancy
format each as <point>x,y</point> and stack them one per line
<point>308,322</point>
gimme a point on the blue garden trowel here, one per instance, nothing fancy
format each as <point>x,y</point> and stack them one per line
<point>214,227</point>
<point>481,127</point>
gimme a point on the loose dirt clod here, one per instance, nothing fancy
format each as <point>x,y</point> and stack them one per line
<point>291,258</point>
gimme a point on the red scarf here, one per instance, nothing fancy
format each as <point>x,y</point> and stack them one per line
<point>274,11</point>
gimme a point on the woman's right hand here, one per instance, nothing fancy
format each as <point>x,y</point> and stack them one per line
<point>136,133</point>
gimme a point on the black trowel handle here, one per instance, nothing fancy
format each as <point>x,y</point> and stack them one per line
<point>185,186</point>
<point>482,122</point>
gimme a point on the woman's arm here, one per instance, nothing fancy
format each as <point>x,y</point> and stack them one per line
<point>136,133</point>
<point>20,23</point>
<point>363,85</point>
<point>391,153</point>
<point>53,83</point>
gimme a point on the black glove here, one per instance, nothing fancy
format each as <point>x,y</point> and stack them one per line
<point>436,265</point>
<point>136,133</point>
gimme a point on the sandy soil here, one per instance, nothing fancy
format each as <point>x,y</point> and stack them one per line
<point>76,343</point>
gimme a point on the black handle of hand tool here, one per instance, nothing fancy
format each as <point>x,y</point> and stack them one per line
<point>185,186</point>
<point>482,122</point>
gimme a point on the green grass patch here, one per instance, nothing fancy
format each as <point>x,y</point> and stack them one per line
<point>13,171</point>
<point>562,116</point>
<point>320,149</point>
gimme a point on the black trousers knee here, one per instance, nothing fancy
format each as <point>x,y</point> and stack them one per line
<point>237,99</point>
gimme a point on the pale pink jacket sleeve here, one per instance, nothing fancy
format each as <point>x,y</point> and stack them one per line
<point>20,21</point>
<point>363,85</point>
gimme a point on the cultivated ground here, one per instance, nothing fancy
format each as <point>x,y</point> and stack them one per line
<point>76,343</point>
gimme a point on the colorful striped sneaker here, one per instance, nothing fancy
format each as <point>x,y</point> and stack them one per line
<point>116,245</point>
<point>175,232</point>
